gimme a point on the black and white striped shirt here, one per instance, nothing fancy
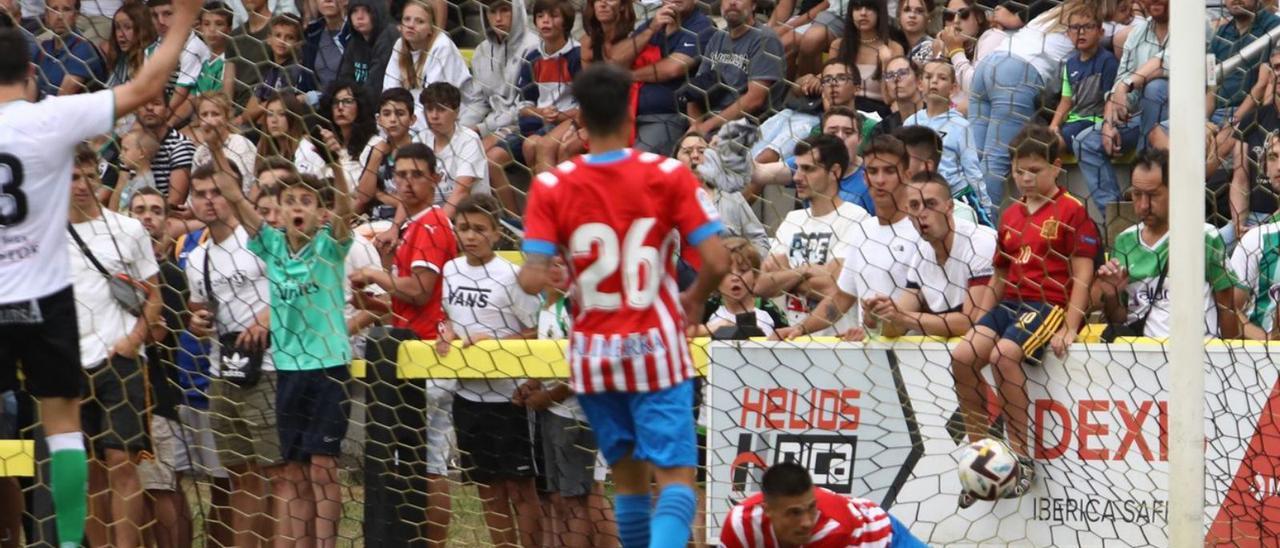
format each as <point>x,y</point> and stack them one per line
<point>176,152</point>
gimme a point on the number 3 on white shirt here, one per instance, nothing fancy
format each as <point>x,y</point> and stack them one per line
<point>640,291</point>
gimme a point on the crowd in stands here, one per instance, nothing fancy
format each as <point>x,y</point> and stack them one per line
<point>318,168</point>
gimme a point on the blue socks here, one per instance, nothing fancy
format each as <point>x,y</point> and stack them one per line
<point>633,520</point>
<point>673,519</point>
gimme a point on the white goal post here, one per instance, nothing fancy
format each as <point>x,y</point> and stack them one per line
<point>1187,75</point>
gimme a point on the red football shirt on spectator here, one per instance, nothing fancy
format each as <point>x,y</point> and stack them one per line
<point>1036,248</point>
<point>426,241</point>
<point>842,522</point>
<point>616,217</point>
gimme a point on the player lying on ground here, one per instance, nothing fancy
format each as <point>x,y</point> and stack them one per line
<point>37,316</point>
<point>791,513</point>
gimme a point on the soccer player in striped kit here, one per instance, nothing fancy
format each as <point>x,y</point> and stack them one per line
<point>616,215</point>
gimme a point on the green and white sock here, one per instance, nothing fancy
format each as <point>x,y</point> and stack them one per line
<point>70,474</point>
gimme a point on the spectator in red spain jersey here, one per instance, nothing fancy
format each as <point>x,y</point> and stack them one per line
<point>791,513</point>
<point>1044,263</point>
<point>614,215</point>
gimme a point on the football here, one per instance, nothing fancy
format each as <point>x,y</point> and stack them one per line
<point>988,469</point>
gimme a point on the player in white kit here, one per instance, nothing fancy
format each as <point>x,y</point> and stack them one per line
<point>38,328</point>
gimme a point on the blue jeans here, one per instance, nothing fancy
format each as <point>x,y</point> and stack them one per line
<point>1096,166</point>
<point>1072,130</point>
<point>782,131</point>
<point>1002,100</point>
<point>1153,107</point>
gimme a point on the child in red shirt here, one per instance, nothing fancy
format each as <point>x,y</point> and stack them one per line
<point>1044,264</point>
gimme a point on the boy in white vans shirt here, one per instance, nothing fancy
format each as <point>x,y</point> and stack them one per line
<point>483,301</point>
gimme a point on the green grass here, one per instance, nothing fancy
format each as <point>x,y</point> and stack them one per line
<point>465,529</point>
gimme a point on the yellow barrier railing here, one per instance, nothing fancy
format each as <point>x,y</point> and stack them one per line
<point>17,458</point>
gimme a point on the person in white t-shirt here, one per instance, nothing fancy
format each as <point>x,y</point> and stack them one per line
<point>483,301</point>
<point>425,54</point>
<point>230,303</point>
<point>38,325</point>
<point>880,248</point>
<point>460,157</point>
<point>194,54</point>
<point>948,274</point>
<point>810,244</point>
<point>215,112</point>
<point>106,245</point>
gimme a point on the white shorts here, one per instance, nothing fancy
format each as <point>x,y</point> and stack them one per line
<point>441,444</point>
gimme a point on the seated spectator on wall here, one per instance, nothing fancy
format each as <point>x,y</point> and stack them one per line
<point>925,151</point>
<point>948,273</point>
<point>874,267</point>
<point>811,243</point>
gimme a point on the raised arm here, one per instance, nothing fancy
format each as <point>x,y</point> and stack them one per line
<point>154,74</point>
<point>342,210</point>
<point>229,187</point>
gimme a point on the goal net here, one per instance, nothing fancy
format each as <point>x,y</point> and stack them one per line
<point>202,437</point>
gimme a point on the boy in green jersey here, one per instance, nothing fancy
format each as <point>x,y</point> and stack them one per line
<point>304,258</point>
<point>1133,287</point>
<point>215,73</point>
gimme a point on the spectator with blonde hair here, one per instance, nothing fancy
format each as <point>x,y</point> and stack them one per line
<point>425,54</point>
<point>214,112</point>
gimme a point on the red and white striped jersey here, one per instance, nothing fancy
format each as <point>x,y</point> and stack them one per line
<point>616,218</point>
<point>842,522</point>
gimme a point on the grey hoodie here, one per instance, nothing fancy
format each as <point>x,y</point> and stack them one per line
<point>726,167</point>
<point>495,67</point>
